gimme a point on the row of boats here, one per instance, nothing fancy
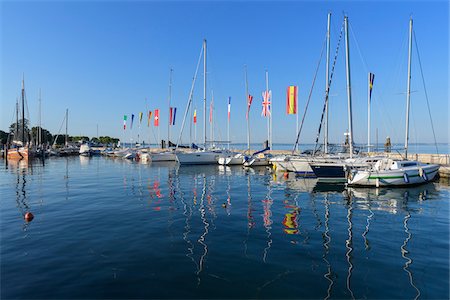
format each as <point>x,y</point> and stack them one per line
<point>359,170</point>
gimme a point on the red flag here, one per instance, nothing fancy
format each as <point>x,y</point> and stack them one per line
<point>195,116</point>
<point>170,115</point>
<point>249,103</point>
<point>210,111</point>
<point>156,122</point>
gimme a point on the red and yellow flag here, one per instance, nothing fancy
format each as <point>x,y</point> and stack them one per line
<point>291,100</point>
<point>149,118</point>
<point>195,116</point>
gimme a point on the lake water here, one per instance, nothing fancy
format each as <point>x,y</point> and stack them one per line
<point>106,228</point>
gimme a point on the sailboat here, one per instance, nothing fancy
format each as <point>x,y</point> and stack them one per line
<point>21,149</point>
<point>389,172</point>
<point>200,156</point>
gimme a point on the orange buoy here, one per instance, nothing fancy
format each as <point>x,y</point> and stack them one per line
<point>286,174</point>
<point>28,217</point>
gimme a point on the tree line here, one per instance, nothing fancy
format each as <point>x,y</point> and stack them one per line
<point>15,132</point>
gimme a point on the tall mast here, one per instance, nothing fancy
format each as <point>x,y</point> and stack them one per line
<point>67,121</point>
<point>408,91</point>
<point>39,139</point>
<point>204,93</point>
<point>248,111</point>
<point>23,111</point>
<point>170,97</point>
<point>349,90</point>
<point>16,133</point>
<point>327,70</point>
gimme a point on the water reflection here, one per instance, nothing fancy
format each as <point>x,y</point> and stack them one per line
<point>404,252</point>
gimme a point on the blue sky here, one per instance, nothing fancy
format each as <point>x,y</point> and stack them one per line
<point>103,59</point>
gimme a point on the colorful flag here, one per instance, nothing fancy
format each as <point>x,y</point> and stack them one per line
<point>140,117</point>
<point>156,122</point>
<point>266,103</point>
<point>132,118</point>
<point>149,118</point>
<point>195,116</point>
<point>229,107</point>
<point>125,122</point>
<point>249,103</point>
<point>172,115</point>
<point>291,100</point>
<point>371,78</point>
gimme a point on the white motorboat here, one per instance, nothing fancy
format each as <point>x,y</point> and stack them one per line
<point>258,160</point>
<point>163,156</point>
<point>389,172</point>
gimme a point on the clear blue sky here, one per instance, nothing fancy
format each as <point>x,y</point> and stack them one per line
<point>102,59</point>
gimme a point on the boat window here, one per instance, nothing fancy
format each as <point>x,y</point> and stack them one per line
<point>409,164</point>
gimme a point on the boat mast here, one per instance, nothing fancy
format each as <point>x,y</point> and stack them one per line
<point>204,93</point>
<point>408,91</point>
<point>248,110</point>
<point>327,70</point>
<point>16,133</point>
<point>349,90</point>
<point>39,139</point>
<point>67,121</point>
<point>23,111</point>
<point>170,96</point>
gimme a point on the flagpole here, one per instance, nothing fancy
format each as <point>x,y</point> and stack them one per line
<point>228,125</point>
<point>204,94</point>
<point>268,117</point>
<point>368,117</point>
<point>296,115</point>
<point>327,70</point>
<point>170,96</point>
<point>248,110</point>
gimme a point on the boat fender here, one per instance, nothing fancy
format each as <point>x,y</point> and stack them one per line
<point>406,178</point>
<point>420,171</point>
<point>28,217</point>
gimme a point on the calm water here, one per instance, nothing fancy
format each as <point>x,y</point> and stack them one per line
<point>107,228</point>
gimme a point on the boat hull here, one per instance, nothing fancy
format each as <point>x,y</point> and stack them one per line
<point>413,176</point>
<point>19,153</point>
<point>198,158</point>
<point>164,156</point>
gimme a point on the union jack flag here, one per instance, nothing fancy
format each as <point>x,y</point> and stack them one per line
<point>267,95</point>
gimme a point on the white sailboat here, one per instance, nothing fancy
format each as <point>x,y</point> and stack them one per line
<point>200,156</point>
<point>389,172</point>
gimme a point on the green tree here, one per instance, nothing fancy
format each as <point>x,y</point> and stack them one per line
<point>46,136</point>
<point>16,130</point>
<point>3,137</point>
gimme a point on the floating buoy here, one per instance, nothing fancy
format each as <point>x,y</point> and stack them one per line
<point>28,217</point>
<point>224,205</point>
<point>286,175</point>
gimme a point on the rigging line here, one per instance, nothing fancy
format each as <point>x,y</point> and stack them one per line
<point>327,93</point>
<point>190,98</point>
<point>425,90</point>
<point>309,96</point>
<point>359,49</point>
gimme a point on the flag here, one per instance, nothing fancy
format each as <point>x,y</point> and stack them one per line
<point>132,118</point>
<point>149,118</point>
<point>249,102</point>
<point>371,78</point>
<point>124,122</point>
<point>140,117</point>
<point>266,103</point>
<point>195,116</point>
<point>229,107</point>
<point>156,122</point>
<point>291,100</point>
<point>172,115</point>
